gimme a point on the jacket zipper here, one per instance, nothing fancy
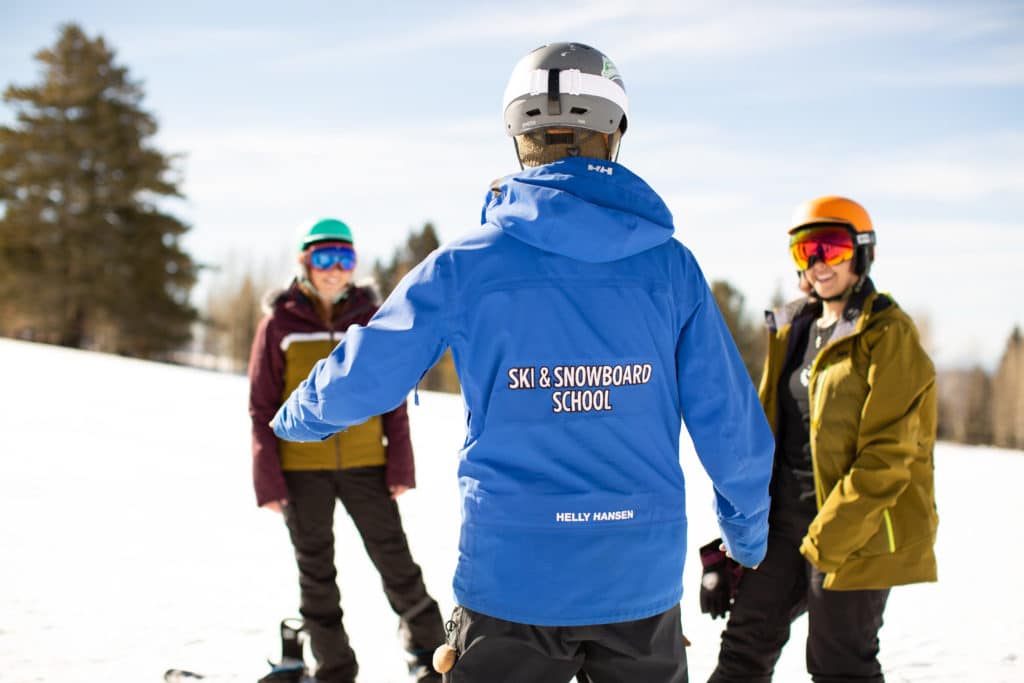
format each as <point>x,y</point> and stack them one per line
<point>887,516</point>
<point>330,329</point>
<point>819,380</point>
<point>815,423</point>
<point>818,396</point>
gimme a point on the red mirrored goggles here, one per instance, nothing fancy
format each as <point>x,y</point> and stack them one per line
<point>330,256</point>
<point>830,244</point>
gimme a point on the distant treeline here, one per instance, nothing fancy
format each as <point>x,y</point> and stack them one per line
<point>980,408</point>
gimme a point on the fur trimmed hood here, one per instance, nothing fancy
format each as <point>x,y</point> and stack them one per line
<point>275,296</point>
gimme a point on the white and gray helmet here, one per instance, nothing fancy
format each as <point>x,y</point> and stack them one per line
<point>565,85</point>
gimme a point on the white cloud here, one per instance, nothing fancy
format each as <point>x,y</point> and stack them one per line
<point>945,181</point>
<point>162,43</point>
<point>705,204</point>
<point>255,185</point>
<point>996,66</point>
<point>743,29</point>
<point>314,162</point>
<point>952,171</point>
<point>631,32</point>
<point>535,22</point>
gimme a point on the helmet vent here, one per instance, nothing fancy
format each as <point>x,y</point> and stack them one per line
<point>578,110</point>
<point>533,112</point>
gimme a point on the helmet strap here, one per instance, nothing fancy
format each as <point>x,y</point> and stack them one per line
<point>519,156</point>
<point>614,142</point>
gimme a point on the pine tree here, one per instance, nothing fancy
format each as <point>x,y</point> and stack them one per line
<point>87,259</point>
<point>416,248</point>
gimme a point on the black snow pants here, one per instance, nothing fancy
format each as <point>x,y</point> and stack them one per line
<point>492,650</point>
<point>310,519</point>
<point>842,631</point>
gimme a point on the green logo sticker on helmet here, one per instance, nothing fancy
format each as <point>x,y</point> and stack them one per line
<point>609,71</point>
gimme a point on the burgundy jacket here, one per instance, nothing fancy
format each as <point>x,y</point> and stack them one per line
<point>291,311</point>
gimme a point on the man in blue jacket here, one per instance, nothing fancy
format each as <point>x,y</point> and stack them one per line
<point>582,333</point>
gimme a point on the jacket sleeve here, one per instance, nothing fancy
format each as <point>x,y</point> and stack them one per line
<point>900,375</point>
<point>266,384</point>
<point>401,468</point>
<point>373,368</point>
<point>725,420</point>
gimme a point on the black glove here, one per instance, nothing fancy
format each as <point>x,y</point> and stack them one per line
<point>719,581</point>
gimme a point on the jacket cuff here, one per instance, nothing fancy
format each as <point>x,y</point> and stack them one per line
<point>810,551</point>
<point>746,539</point>
<point>270,486</point>
<point>400,471</point>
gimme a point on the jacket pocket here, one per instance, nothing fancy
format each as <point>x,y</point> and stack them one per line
<point>882,542</point>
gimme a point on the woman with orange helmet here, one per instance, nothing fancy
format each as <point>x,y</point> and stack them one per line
<point>850,395</point>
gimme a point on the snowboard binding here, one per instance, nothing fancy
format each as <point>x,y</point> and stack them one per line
<point>292,667</point>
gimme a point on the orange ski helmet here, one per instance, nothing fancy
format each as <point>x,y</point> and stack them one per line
<point>834,210</point>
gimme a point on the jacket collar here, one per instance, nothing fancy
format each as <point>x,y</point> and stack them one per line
<point>810,307</point>
<point>299,303</point>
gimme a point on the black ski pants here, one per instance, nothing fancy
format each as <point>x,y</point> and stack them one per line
<point>310,519</point>
<point>492,650</point>
<point>842,629</point>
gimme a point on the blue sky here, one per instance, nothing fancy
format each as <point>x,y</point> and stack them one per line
<point>388,114</point>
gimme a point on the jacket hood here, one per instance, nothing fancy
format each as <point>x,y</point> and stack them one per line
<point>587,209</point>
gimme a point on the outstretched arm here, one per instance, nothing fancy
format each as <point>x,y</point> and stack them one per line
<point>726,422</point>
<point>373,368</point>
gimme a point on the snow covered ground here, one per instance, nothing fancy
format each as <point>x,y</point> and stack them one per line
<point>130,543</point>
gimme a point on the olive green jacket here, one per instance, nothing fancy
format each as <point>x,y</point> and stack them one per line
<point>872,433</point>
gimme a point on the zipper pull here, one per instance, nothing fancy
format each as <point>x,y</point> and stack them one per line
<point>445,654</point>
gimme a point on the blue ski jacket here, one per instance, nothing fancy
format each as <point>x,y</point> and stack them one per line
<point>582,333</point>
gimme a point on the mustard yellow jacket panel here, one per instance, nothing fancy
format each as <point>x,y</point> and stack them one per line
<point>359,446</point>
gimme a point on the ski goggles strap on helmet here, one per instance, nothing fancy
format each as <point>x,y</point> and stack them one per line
<point>830,244</point>
<point>551,83</point>
<point>330,256</point>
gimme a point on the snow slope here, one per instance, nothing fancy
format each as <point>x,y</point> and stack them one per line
<point>130,541</point>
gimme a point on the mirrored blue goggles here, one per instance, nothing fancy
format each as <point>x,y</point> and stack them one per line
<point>329,257</point>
